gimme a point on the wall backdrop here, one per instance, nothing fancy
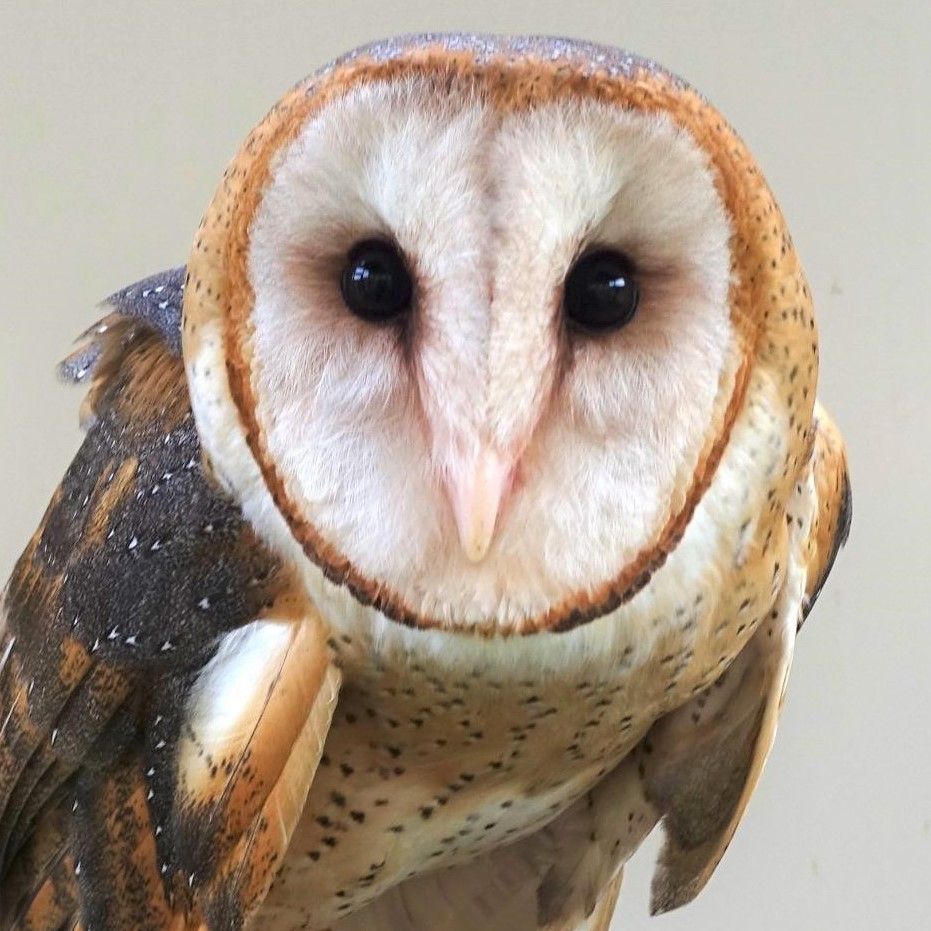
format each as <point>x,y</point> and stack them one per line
<point>117,119</point>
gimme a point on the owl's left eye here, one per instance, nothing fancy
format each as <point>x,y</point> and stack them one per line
<point>375,283</point>
<point>601,291</point>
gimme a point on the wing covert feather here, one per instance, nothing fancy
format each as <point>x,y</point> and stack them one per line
<point>240,885</point>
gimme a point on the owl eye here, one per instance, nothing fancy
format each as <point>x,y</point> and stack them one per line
<point>601,291</point>
<point>375,282</point>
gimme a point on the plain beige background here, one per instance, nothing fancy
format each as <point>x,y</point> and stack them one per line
<point>116,120</point>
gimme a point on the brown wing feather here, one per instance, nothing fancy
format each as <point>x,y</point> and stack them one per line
<point>113,847</point>
<point>55,901</point>
<point>37,861</point>
<point>706,758</point>
<point>137,571</point>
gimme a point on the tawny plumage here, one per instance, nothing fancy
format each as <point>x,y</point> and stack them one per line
<point>460,538</point>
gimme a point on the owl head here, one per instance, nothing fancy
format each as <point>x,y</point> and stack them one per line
<point>471,324</point>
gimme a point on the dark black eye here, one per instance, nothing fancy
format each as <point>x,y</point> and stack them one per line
<point>601,291</point>
<point>375,283</point>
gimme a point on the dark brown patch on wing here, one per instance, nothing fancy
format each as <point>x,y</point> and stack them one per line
<point>39,859</point>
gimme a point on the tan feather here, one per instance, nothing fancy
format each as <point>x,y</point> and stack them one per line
<point>600,918</point>
<point>54,901</point>
<point>831,525</point>
<point>241,882</point>
<point>230,763</point>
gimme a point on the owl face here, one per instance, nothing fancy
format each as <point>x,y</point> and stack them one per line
<point>480,344</point>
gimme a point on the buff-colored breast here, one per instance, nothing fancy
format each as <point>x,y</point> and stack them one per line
<point>431,762</point>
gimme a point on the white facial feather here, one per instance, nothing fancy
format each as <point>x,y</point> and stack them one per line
<point>490,211</point>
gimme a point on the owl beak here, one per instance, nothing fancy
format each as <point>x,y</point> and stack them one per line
<point>476,494</point>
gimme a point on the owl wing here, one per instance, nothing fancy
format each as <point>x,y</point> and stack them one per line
<point>165,689</point>
<point>698,766</point>
<point>831,525</point>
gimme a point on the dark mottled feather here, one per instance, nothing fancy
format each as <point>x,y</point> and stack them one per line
<point>118,874</point>
<point>156,301</point>
<point>152,307</point>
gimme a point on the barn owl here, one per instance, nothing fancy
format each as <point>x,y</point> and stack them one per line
<point>440,529</point>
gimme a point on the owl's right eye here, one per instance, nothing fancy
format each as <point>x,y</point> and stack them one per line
<point>375,282</point>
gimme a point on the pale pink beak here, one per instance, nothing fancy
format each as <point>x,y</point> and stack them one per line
<point>476,494</point>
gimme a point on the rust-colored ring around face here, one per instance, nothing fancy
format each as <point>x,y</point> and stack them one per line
<point>509,83</point>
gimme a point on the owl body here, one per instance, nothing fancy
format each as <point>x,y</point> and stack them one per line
<point>502,753</point>
<point>440,751</point>
<point>461,537</point>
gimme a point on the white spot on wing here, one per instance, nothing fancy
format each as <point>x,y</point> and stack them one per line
<point>224,698</point>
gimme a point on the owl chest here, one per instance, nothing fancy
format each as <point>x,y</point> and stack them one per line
<point>428,769</point>
<point>443,748</point>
